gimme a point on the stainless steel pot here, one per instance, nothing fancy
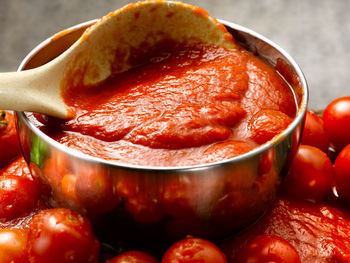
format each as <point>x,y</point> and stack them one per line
<point>207,200</point>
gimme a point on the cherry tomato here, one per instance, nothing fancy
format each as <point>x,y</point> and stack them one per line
<point>13,245</point>
<point>314,133</point>
<point>133,257</point>
<point>61,235</point>
<point>17,167</point>
<point>310,175</point>
<point>342,172</point>
<point>268,248</point>
<point>193,249</point>
<point>266,124</point>
<point>336,119</point>
<point>17,196</point>
<point>9,145</point>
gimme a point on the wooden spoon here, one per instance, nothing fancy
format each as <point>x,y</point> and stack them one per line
<point>113,44</point>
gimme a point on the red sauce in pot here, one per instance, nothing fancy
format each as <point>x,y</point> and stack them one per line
<point>194,105</point>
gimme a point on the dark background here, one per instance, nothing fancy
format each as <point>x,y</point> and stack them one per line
<point>316,33</point>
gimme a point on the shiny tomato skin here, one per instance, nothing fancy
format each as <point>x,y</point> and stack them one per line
<point>18,195</point>
<point>268,248</point>
<point>314,133</point>
<point>13,245</point>
<point>336,118</point>
<point>133,256</point>
<point>310,175</point>
<point>17,167</point>
<point>342,173</point>
<point>193,249</point>
<point>62,236</point>
<point>9,145</point>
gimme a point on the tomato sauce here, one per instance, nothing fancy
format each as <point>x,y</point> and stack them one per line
<point>319,232</point>
<point>189,106</point>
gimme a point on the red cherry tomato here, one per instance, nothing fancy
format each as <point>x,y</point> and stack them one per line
<point>9,145</point>
<point>17,167</point>
<point>61,235</point>
<point>336,119</point>
<point>266,124</point>
<point>194,250</point>
<point>133,257</point>
<point>342,172</point>
<point>13,245</point>
<point>310,175</point>
<point>314,133</point>
<point>268,248</point>
<point>17,196</point>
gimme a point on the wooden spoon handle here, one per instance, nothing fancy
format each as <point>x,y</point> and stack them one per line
<point>30,91</point>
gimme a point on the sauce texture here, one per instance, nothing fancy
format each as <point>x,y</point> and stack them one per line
<point>319,232</point>
<point>193,105</point>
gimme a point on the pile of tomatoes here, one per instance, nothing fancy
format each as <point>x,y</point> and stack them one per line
<point>32,232</point>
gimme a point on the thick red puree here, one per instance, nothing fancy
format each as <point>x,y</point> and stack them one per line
<point>194,105</point>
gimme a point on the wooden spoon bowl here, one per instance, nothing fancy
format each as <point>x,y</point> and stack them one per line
<point>115,43</point>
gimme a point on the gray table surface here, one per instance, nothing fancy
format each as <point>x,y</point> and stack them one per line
<point>316,33</point>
